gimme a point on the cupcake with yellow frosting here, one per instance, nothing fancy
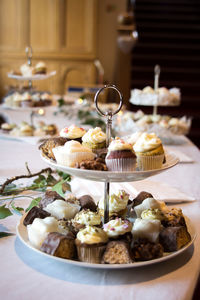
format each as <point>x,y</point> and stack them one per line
<point>71,153</point>
<point>85,218</point>
<point>73,132</point>
<point>91,243</point>
<point>149,152</point>
<point>95,139</point>
<point>117,204</point>
<point>120,156</point>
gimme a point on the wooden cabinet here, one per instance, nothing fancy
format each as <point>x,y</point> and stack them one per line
<point>62,33</point>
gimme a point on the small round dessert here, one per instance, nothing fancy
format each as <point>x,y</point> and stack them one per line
<point>40,68</point>
<point>6,127</point>
<point>120,156</point>
<point>85,218</point>
<point>118,229</point>
<point>26,100</point>
<point>149,152</point>
<point>117,204</point>
<point>90,244</point>
<point>26,130</point>
<point>95,139</point>
<point>17,99</point>
<point>45,99</point>
<point>73,132</point>
<point>71,153</point>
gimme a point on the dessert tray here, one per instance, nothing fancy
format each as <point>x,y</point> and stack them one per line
<point>33,77</point>
<point>171,160</point>
<point>23,236</point>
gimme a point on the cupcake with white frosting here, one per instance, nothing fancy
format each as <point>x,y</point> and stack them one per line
<point>117,204</point>
<point>120,156</point>
<point>95,139</point>
<point>118,228</point>
<point>149,152</point>
<point>73,132</point>
<point>71,153</point>
<point>91,243</point>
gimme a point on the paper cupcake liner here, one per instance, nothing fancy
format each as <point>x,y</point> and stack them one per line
<point>90,254</point>
<point>69,160</point>
<point>145,163</point>
<point>121,164</point>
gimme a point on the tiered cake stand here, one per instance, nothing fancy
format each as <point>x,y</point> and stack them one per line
<point>108,176</point>
<point>155,104</point>
<point>29,55</point>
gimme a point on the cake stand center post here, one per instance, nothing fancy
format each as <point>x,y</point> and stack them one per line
<point>29,55</point>
<point>109,115</point>
<point>156,85</point>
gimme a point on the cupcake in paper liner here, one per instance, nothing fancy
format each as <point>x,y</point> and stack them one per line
<point>120,156</point>
<point>94,139</point>
<point>149,152</point>
<point>71,153</point>
<point>90,244</point>
<point>117,204</point>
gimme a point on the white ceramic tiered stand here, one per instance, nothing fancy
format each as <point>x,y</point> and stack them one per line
<point>108,176</point>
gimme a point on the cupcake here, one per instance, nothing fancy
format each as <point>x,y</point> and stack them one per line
<point>25,130</point>
<point>86,218</point>
<point>73,133</point>
<point>71,153</point>
<point>95,139</point>
<point>40,68</point>
<point>90,244</point>
<point>117,204</point>
<point>118,228</point>
<point>149,152</point>
<point>120,156</point>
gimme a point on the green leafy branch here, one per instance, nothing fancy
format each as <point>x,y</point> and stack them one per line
<point>44,179</point>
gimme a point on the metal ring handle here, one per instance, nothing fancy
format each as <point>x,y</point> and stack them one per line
<point>109,86</point>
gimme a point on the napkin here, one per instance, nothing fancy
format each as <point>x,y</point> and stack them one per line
<point>183,158</point>
<point>160,191</point>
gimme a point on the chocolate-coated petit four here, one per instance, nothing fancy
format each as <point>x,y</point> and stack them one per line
<point>141,197</point>
<point>35,212</point>
<point>49,197</point>
<point>117,252</point>
<point>174,238</point>
<point>145,250</point>
<point>87,202</point>
<point>59,245</point>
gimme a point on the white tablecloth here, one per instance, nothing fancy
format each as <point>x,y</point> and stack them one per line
<point>25,274</point>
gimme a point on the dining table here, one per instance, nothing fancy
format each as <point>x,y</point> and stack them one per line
<point>27,274</point>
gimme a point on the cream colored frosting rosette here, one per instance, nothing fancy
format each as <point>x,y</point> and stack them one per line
<point>87,218</point>
<point>117,227</point>
<point>71,153</point>
<point>92,235</point>
<point>95,138</point>
<point>119,144</point>
<point>90,244</point>
<point>149,152</point>
<point>152,214</point>
<point>117,204</point>
<point>72,132</point>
